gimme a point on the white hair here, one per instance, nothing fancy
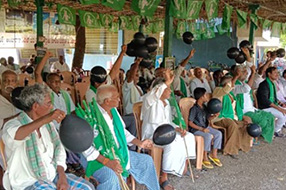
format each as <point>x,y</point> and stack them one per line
<point>33,94</point>
<point>104,92</point>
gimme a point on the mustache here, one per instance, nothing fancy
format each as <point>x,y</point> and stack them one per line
<point>7,87</point>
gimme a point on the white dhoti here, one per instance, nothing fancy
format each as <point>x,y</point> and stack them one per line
<point>175,155</point>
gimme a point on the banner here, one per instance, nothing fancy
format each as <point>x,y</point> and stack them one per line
<point>193,27</point>
<point>241,17</point>
<point>114,4</point>
<point>211,8</point>
<point>220,30</point>
<point>178,8</point>
<point>208,34</point>
<point>89,19</point>
<point>114,27</point>
<point>89,2</point>
<point>144,7</point>
<point>66,15</point>
<point>181,28</point>
<point>283,28</point>
<point>193,9</point>
<point>226,17</point>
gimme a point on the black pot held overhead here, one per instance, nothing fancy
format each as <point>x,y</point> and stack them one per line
<point>188,38</point>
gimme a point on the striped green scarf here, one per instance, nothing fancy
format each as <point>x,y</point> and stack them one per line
<point>66,99</point>
<point>227,109</point>
<point>32,149</point>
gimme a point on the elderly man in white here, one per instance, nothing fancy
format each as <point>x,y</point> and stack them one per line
<point>104,169</point>
<point>156,110</point>
<point>199,81</point>
<point>35,155</point>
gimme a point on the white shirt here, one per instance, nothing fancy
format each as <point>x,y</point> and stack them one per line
<point>7,109</point>
<point>59,103</point>
<point>198,83</point>
<point>89,95</point>
<point>19,172</point>
<point>57,66</point>
<point>245,89</point>
<point>2,69</point>
<point>177,80</point>
<point>257,80</point>
<point>92,153</point>
<point>131,95</point>
<point>281,90</point>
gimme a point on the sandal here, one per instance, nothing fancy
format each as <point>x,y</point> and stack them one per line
<point>167,184</point>
<point>208,165</point>
<point>216,161</point>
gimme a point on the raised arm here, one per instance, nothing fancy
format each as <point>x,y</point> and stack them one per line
<point>186,60</point>
<point>133,70</point>
<point>116,67</point>
<point>40,66</point>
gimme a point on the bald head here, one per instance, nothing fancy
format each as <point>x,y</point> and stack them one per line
<point>105,92</point>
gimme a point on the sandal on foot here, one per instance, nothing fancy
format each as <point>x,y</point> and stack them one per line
<point>167,184</point>
<point>216,161</point>
<point>208,165</point>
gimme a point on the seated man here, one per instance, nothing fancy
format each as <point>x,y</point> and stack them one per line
<point>100,156</point>
<point>35,156</point>
<point>200,125</point>
<point>281,85</point>
<point>9,82</point>
<point>267,100</point>
<point>199,81</point>
<point>245,105</point>
<point>156,110</point>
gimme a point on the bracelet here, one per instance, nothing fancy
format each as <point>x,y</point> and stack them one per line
<point>105,161</point>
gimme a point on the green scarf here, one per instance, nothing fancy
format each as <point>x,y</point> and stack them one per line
<point>227,109</point>
<point>66,98</point>
<point>32,149</point>
<point>183,88</point>
<point>272,89</point>
<point>93,89</point>
<point>103,139</point>
<point>240,101</point>
<point>177,116</point>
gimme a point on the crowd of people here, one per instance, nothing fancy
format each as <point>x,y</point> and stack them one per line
<point>36,158</point>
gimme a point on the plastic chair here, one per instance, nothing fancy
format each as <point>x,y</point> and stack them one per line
<point>22,77</point>
<point>156,152</point>
<point>68,77</point>
<point>70,89</point>
<point>80,91</point>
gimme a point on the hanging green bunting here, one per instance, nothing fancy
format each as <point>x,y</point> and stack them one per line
<point>197,36</point>
<point>261,21</point>
<point>89,2</point>
<point>254,20</point>
<point>226,17</point>
<point>155,28</point>
<point>125,23</point>
<point>178,8</point>
<point>181,28</point>
<point>208,34</point>
<point>89,19</point>
<point>211,8</point>
<point>266,24</point>
<point>203,27</point>
<point>106,20</point>
<point>211,25</point>
<point>220,30</point>
<point>114,27</point>
<point>276,28</point>
<point>193,9</point>
<point>161,24</point>
<point>136,22</point>
<point>114,4</point>
<point>147,29</point>
<point>241,17</point>
<point>193,27</point>
<point>13,3</point>
<point>283,28</point>
<point>145,7</point>
<point>66,15</point>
